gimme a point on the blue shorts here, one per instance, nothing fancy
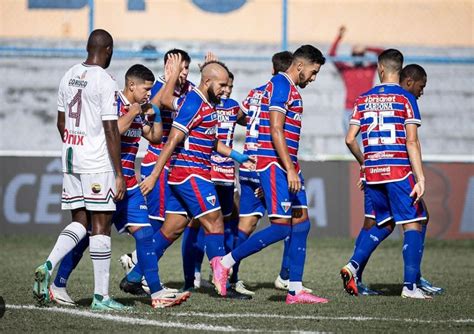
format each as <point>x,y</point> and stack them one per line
<point>156,199</point>
<point>368,207</point>
<point>250,204</point>
<point>226,198</point>
<point>131,211</point>
<point>195,197</point>
<point>279,201</point>
<point>392,201</point>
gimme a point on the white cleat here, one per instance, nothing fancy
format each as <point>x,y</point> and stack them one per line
<point>284,284</point>
<point>240,288</point>
<point>416,293</point>
<point>166,299</point>
<point>60,296</point>
<point>127,263</point>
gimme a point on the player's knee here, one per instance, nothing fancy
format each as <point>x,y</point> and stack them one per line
<point>369,223</point>
<point>299,215</point>
<point>416,226</point>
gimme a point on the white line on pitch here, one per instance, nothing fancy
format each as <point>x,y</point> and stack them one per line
<point>146,322</point>
<point>312,317</point>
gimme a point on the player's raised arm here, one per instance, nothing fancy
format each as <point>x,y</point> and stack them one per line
<point>152,128</point>
<point>165,98</point>
<point>277,121</point>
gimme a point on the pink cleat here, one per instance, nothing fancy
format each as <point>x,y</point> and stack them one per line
<point>219,275</point>
<point>305,298</point>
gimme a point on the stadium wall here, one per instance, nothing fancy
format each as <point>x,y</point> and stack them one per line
<point>31,188</point>
<point>401,22</point>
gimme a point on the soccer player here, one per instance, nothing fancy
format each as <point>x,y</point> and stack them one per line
<point>223,176</point>
<point>388,117</point>
<point>413,79</point>
<point>191,141</point>
<point>93,178</point>
<point>279,171</point>
<point>156,199</point>
<point>358,77</point>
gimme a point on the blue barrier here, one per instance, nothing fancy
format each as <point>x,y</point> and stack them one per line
<point>11,51</point>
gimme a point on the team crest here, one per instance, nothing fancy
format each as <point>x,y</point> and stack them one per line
<point>285,206</point>
<point>211,199</point>
<point>96,188</point>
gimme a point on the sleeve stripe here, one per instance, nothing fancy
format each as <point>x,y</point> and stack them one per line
<point>412,121</point>
<point>180,127</point>
<point>109,117</point>
<point>354,122</point>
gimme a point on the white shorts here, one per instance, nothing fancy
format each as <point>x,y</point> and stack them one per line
<point>95,192</point>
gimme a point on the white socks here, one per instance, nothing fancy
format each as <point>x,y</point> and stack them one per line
<point>296,287</point>
<point>134,257</point>
<point>67,240</point>
<point>100,251</point>
<point>228,261</point>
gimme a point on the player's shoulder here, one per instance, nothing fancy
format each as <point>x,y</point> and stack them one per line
<point>280,79</point>
<point>230,103</point>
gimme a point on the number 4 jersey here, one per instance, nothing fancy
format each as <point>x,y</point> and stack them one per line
<point>87,95</point>
<point>382,114</point>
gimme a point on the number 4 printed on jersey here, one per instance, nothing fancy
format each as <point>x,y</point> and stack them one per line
<point>77,99</point>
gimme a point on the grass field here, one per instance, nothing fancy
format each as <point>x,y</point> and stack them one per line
<point>448,264</point>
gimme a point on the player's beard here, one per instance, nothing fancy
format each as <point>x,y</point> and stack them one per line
<point>303,82</point>
<point>213,98</point>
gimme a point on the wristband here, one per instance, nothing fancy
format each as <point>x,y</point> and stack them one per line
<point>239,157</point>
<point>157,113</point>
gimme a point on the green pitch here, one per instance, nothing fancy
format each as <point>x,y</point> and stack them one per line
<point>447,264</point>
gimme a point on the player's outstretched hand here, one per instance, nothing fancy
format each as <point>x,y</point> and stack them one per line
<point>173,64</point>
<point>208,58</point>
<point>294,182</point>
<point>120,188</point>
<point>147,185</point>
<point>259,192</point>
<point>360,185</point>
<point>418,191</point>
<point>342,30</point>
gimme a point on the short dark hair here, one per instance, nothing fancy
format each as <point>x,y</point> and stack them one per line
<point>99,39</point>
<point>392,60</point>
<point>231,75</point>
<point>184,55</point>
<point>414,72</point>
<point>281,61</point>
<point>139,72</point>
<point>310,53</point>
<point>215,62</point>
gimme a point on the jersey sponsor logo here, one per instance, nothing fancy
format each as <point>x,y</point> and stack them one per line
<point>211,199</point>
<point>211,131</point>
<point>77,83</point>
<point>134,133</point>
<point>285,206</point>
<point>380,170</point>
<point>96,188</point>
<point>380,155</point>
<point>298,117</point>
<point>223,118</point>
<point>219,169</point>
<point>143,207</point>
<point>73,137</point>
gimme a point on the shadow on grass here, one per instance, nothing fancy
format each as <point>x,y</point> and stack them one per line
<point>387,289</point>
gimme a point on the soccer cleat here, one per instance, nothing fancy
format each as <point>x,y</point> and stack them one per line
<point>427,287</point>
<point>168,299</point>
<point>133,288</point>
<point>126,262</point>
<point>416,293</point>
<point>60,296</point>
<point>41,284</point>
<point>364,290</point>
<point>305,298</point>
<point>349,281</point>
<point>99,304</point>
<point>284,284</point>
<point>197,280</point>
<point>240,288</point>
<point>232,293</point>
<point>219,275</point>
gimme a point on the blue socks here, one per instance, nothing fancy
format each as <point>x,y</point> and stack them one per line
<point>285,261</point>
<point>261,239</point>
<point>297,250</point>
<point>412,249</point>
<point>423,236</point>
<point>241,238</point>
<point>70,261</point>
<point>147,259</point>
<point>214,245</point>
<point>367,244</point>
<point>188,249</point>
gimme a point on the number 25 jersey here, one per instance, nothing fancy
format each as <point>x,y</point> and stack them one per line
<point>382,114</point>
<point>87,95</point>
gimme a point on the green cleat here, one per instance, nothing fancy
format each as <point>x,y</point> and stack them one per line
<point>41,285</point>
<point>99,304</point>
